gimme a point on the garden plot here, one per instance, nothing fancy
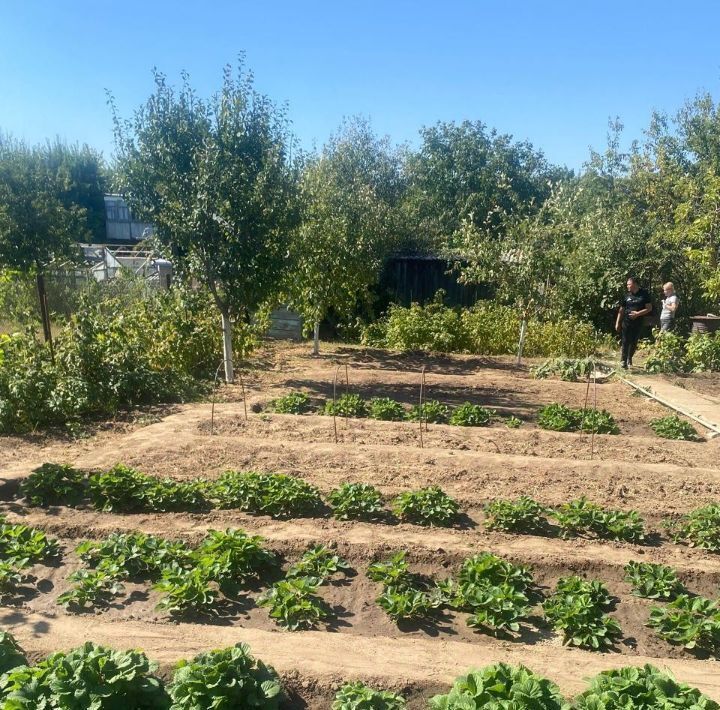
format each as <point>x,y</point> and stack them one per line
<point>634,470</point>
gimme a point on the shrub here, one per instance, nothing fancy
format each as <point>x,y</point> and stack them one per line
<point>88,677</point>
<point>318,564</point>
<point>501,686</point>
<point>356,501</point>
<point>225,678</point>
<point>693,622</point>
<point>468,414</point>
<point>523,515</point>
<point>11,655</point>
<point>347,405</point>
<point>431,411</point>
<point>667,354</point>
<point>703,352</point>
<point>358,696</point>
<point>699,528</point>
<point>583,517</point>
<point>293,603</point>
<point>653,581</point>
<point>53,484</point>
<point>293,403</point>
<point>428,506</point>
<point>645,687</point>
<point>386,409</point>
<point>672,427</point>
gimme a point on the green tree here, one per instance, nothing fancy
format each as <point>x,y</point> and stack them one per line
<point>349,195</point>
<point>216,179</point>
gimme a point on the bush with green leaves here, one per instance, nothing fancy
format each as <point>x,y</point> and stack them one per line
<point>358,696</point>
<point>347,405</point>
<point>93,588</point>
<point>292,403</point>
<point>667,354</point>
<point>431,411</point>
<point>11,655</point>
<point>576,608</point>
<point>523,515</point>
<point>559,417</point>
<point>468,414</point>
<point>672,427</point>
<point>90,676</point>
<point>501,686</point>
<point>356,501</point>
<point>653,581</point>
<point>53,484</point>
<point>645,687</point>
<point>699,528</point>
<point>187,591</point>
<point>293,603</point>
<point>386,409</point>
<point>427,506</point>
<point>581,517</point>
<point>693,622</point>
<point>225,678</point>
<point>319,563</point>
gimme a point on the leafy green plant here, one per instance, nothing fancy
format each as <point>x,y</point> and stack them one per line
<point>500,686</point>
<point>693,622</point>
<point>11,655</point>
<point>238,489</point>
<point>186,590</point>
<point>53,484</point>
<point>699,528</point>
<point>653,581</point>
<point>523,515</point>
<point>394,572</point>
<point>431,411</point>
<point>347,405</point>
<point>358,696</point>
<point>512,422</point>
<point>568,369</point>
<point>225,678</point>
<point>11,576</point>
<point>427,506</point>
<point>500,608</point>
<point>405,603</point>
<point>90,677</point>
<point>468,414</point>
<point>21,542</point>
<point>488,570</point>
<point>121,489</point>
<point>166,495</point>
<point>598,421</point>
<point>292,403</point>
<point>559,417</point>
<point>356,501</point>
<point>293,603</point>
<point>672,427</point>
<point>645,687</point>
<point>319,563</point>
<point>576,608</point>
<point>386,409</point>
<point>95,587</point>
<point>667,354</point>
<point>583,517</point>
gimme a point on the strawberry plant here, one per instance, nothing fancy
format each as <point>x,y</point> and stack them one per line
<point>186,590</point>
<point>225,678</point>
<point>500,686</point>
<point>512,422</point>
<point>53,484</point>
<point>468,414</point>
<point>166,495</point>
<point>428,506</point>
<point>699,528</point>
<point>693,622</point>
<point>11,576</point>
<point>559,417</point>
<point>293,403</point>
<point>347,405</point>
<point>405,603</point>
<point>583,517</point>
<point>598,421</point>
<point>500,608</point>
<point>20,542</point>
<point>523,515</point>
<point>569,370</point>
<point>11,655</point>
<point>356,501</point>
<point>121,489</point>
<point>645,687</point>
<point>293,603</point>
<point>431,411</point>
<point>672,427</point>
<point>386,409</point>
<point>392,573</point>
<point>653,581</point>
<point>97,587</point>
<point>236,489</point>
<point>319,563</point>
<point>358,696</point>
<point>283,496</point>
<point>487,569</point>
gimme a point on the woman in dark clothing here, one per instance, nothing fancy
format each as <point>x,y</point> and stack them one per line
<point>635,305</point>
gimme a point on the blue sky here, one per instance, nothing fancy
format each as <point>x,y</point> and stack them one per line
<point>550,72</point>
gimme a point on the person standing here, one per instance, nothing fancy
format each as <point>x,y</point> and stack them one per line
<point>635,305</point>
<point>669,308</point>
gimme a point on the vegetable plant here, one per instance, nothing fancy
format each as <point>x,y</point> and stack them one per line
<point>569,370</point>
<point>404,603</point>
<point>699,528</point>
<point>431,411</point>
<point>427,506</point>
<point>166,495</point>
<point>583,517</point>
<point>347,405</point>
<point>293,603</point>
<point>559,417</point>
<point>121,489</point>
<point>356,501</point>
<point>11,576</point>
<point>500,686</point>
<point>672,427</point>
<point>225,678</point>
<point>394,572</point>
<point>95,587</point>
<point>11,655</point>
<point>186,590</point>
<point>292,403</point>
<point>486,569</point>
<point>693,622</point>
<point>468,414</point>
<point>653,581</point>
<point>523,515</point>
<point>386,409</point>
<point>21,542</point>
<point>500,608</point>
<point>358,696</point>
<point>512,422</point>
<point>53,484</point>
<point>319,563</point>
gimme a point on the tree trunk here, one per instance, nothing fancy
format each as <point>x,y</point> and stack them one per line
<point>521,343</point>
<point>44,313</point>
<point>316,338</point>
<point>227,348</point>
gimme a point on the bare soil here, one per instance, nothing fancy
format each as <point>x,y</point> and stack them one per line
<point>633,470</point>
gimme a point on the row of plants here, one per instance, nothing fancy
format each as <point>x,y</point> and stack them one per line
<point>101,678</point>
<point>671,352</point>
